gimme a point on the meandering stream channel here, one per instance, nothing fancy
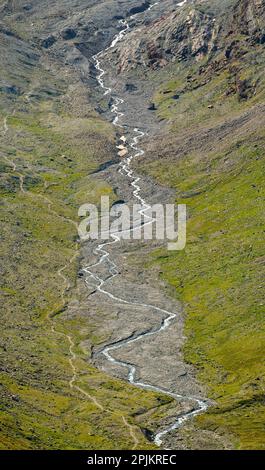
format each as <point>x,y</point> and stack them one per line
<point>104,256</point>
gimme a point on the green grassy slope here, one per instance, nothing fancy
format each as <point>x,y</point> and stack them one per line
<point>47,156</point>
<point>51,141</point>
<point>212,154</point>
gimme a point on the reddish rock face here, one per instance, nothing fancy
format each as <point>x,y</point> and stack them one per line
<point>193,31</point>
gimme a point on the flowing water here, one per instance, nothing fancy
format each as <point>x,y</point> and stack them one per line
<point>104,255</point>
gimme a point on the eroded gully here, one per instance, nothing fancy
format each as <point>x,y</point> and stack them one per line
<point>102,251</point>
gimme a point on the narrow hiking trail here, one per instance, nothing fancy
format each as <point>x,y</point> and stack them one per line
<point>133,138</point>
<point>66,284</point>
<point>127,172</point>
<point>9,160</point>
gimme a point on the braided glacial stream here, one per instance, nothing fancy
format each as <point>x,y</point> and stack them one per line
<point>101,250</point>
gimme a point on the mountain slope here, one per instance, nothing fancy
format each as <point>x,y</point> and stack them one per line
<point>193,77</point>
<point>206,63</point>
<point>52,140</point>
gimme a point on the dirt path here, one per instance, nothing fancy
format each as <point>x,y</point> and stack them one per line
<point>132,432</point>
<point>65,287</point>
<point>10,161</point>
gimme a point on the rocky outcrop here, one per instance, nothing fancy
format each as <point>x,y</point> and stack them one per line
<point>249,19</point>
<point>193,32</point>
<point>140,8</point>
<point>176,36</point>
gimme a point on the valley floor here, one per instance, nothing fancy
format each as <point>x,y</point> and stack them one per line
<point>203,121</point>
